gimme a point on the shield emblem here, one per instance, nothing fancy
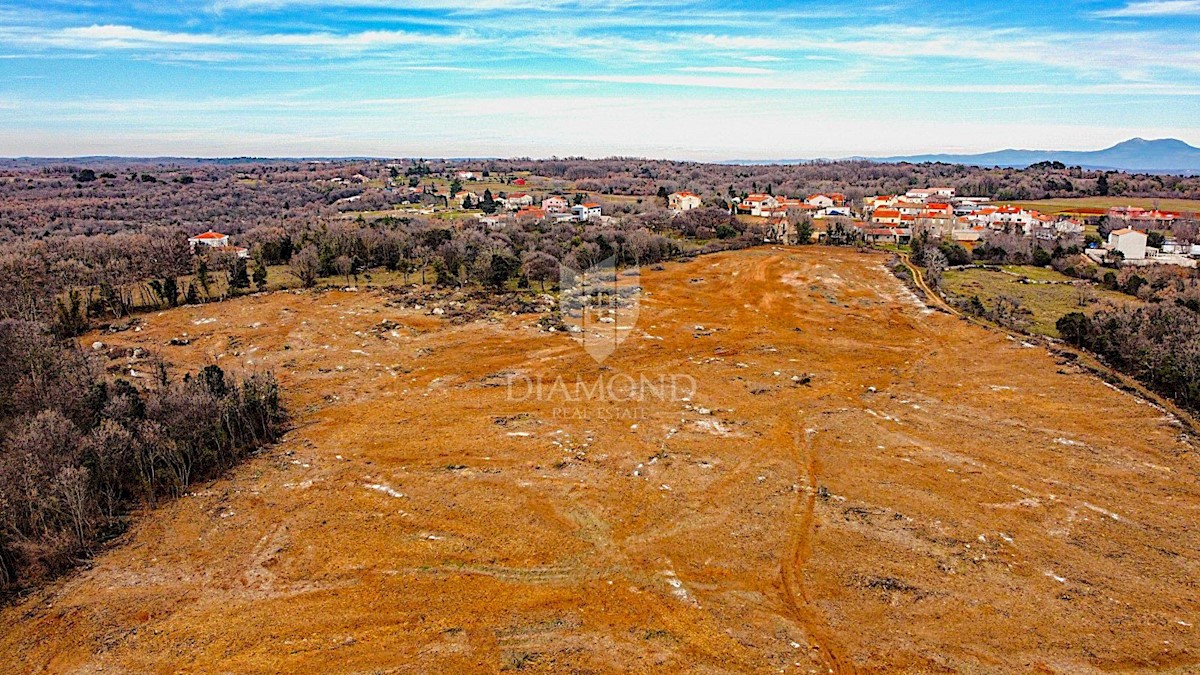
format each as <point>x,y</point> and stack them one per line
<point>600,305</point>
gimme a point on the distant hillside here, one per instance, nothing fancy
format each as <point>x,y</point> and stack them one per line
<point>1167,155</point>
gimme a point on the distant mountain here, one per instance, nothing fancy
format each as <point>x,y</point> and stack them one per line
<point>1167,155</point>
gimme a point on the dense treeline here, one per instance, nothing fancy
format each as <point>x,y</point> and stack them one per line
<point>1159,344</point>
<point>78,449</point>
<point>70,281</point>
<point>495,256</point>
<point>125,197</point>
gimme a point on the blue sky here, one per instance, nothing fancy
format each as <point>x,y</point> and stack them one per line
<point>701,80</point>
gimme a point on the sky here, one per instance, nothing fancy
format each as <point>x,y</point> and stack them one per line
<point>703,80</point>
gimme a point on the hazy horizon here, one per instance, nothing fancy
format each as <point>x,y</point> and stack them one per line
<point>467,158</point>
<point>701,81</point>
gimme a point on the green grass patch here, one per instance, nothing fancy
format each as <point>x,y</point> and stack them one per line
<point>1038,273</point>
<point>1046,302</point>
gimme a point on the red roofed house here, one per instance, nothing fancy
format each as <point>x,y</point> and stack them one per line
<point>759,203</point>
<point>556,204</point>
<point>518,200</point>
<point>531,212</point>
<point>878,201</point>
<point>210,238</point>
<point>1136,216</point>
<point>1016,217</point>
<point>886,216</point>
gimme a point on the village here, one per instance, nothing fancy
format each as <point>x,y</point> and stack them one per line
<point>968,221</point>
<point>1119,235</point>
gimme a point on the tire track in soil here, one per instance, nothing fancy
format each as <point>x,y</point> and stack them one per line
<point>796,596</point>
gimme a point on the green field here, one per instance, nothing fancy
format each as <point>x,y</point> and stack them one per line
<point>1057,206</point>
<point>1046,301</point>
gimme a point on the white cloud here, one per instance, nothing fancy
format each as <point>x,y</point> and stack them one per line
<point>726,70</point>
<point>802,83</point>
<point>448,5</point>
<point>1133,56</point>
<point>128,36</point>
<point>1152,8</point>
<point>111,36</point>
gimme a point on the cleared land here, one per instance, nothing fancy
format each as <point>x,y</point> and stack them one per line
<point>985,508</point>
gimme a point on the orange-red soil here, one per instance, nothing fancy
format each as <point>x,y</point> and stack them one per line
<point>985,508</point>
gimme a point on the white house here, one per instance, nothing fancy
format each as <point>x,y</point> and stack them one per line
<point>1068,226</point>
<point>683,201</point>
<point>1128,241</point>
<point>759,204</point>
<point>586,211</point>
<point>492,222</point>
<point>918,196</point>
<point>1012,216</point>
<point>218,242</point>
<point>518,200</point>
<point>819,201</point>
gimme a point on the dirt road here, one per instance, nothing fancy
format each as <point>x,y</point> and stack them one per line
<point>854,483</point>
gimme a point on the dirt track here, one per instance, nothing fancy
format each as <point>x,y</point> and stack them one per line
<point>983,509</point>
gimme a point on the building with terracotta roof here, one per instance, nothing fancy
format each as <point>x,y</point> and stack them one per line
<point>531,212</point>
<point>1143,217</point>
<point>556,204</point>
<point>517,200</point>
<point>759,204</point>
<point>886,216</point>
<point>211,239</point>
<point>217,242</point>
